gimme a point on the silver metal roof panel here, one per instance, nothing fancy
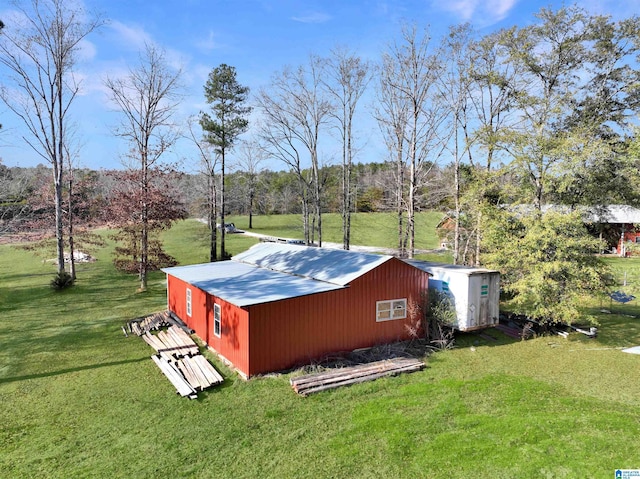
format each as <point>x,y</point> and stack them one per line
<point>429,267</point>
<point>245,284</point>
<point>323,264</point>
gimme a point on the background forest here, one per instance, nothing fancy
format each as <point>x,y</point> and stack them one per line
<point>468,123</point>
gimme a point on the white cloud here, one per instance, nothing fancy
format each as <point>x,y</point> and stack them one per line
<point>499,8</point>
<point>209,43</point>
<point>313,17</point>
<point>86,50</point>
<point>461,8</point>
<point>132,36</point>
<point>480,12</point>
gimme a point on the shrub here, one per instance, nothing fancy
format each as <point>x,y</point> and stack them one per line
<point>62,280</point>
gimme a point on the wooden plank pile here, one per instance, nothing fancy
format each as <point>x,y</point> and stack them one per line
<point>153,322</point>
<point>313,383</point>
<point>172,343</point>
<point>180,360</point>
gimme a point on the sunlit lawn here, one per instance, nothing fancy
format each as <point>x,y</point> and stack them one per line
<point>79,400</point>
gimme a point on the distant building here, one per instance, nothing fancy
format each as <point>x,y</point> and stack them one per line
<point>617,225</point>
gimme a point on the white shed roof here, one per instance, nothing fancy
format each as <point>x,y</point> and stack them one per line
<point>430,267</point>
<point>245,285</point>
<point>322,264</point>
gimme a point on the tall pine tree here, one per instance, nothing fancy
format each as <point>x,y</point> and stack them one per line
<point>227,121</point>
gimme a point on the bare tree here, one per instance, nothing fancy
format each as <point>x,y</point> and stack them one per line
<point>209,165</point>
<point>455,87</point>
<point>346,81</point>
<point>252,155</point>
<point>147,98</point>
<point>392,114</point>
<point>295,112</point>
<point>412,72</point>
<point>38,51</point>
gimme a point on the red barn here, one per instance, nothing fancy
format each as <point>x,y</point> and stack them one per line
<point>276,306</point>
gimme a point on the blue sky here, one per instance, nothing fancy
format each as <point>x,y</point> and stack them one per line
<point>259,38</point>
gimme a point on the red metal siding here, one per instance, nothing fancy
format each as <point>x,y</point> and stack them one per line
<point>233,343</point>
<point>630,234</point>
<point>291,332</point>
<point>177,298</point>
<point>233,340</point>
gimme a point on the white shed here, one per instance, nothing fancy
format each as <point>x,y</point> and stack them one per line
<point>475,292</point>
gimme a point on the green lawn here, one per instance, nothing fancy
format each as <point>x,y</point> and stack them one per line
<point>369,229</point>
<point>79,400</point>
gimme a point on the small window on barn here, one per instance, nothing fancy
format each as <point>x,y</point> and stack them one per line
<point>390,310</point>
<point>188,302</point>
<point>637,239</point>
<point>216,320</point>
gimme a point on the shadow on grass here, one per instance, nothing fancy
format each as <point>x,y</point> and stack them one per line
<point>71,370</point>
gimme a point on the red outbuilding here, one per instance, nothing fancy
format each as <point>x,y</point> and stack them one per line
<point>277,306</point>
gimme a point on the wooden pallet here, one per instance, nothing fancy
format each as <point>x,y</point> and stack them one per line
<point>313,383</point>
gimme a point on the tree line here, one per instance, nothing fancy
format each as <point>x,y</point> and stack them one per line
<point>534,114</point>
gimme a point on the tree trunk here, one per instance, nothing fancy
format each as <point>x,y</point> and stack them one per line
<point>59,217</point>
<point>411,218</point>
<point>144,234</point>
<point>305,216</point>
<point>399,205</point>
<point>456,174</point>
<point>316,197</point>
<point>213,231</point>
<point>346,188</point>
<point>413,183</point>
<point>72,260</point>
<point>478,238</point>
<point>251,196</point>
<point>223,250</point>
<point>59,166</point>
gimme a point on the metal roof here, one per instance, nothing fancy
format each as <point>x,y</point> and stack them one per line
<point>245,284</point>
<point>613,214</point>
<point>323,264</point>
<point>429,267</point>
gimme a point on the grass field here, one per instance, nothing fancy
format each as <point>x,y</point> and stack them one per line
<point>79,400</point>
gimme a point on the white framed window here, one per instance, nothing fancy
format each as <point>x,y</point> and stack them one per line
<point>217,314</point>
<point>391,309</point>
<point>188,302</point>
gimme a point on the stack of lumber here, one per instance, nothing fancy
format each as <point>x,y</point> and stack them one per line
<point>153,322</point>
<point>172,343</point>
<point>180,360</point>
<point>175,377</point>
<point>174,320</point>
<point>198,372</point>
<point>313,383</point>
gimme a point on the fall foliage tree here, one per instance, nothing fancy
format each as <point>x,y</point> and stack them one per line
<point>147,98</point>
<point>163,207</point>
